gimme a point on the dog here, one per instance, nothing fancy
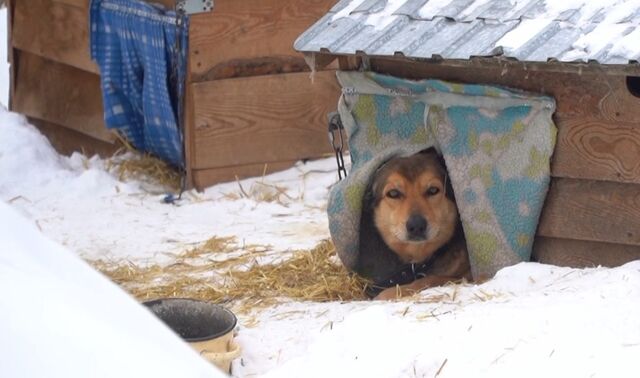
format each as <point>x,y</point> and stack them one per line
<point>415,215</point>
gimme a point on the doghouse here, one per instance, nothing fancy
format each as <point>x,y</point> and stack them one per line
<point>250,106</point>
<point>582,57</point>
<point>253,106</point>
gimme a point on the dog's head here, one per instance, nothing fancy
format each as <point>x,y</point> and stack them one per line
<point>414,210</point>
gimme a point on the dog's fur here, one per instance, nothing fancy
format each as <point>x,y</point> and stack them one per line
<point>414,212</point>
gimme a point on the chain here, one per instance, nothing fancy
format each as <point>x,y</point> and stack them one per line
<point>335,126</point>
<point>177,51</point>
<point>177,84</point>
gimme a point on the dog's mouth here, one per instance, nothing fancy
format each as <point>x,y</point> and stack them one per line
<point>416,239</point>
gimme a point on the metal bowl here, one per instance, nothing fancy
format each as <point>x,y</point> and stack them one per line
<point>193,320</point>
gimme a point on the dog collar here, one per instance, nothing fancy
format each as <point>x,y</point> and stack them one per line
<point>405,275</point>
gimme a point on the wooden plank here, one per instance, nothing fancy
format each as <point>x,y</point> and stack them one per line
<point>506,64</point>
<point>349,62</point>
<point>60,94</point>
<point>262,119</point>
<point>13,62</point>
<point>66,141</point>
<point>582,254</point>
<point>84,4</point>
<point>592,94</point>
<point>250,30</point>
<point>597,117</point>
<point>599,150</point>
<point>253,67</point>
<point>319,62</point>
<point>189,128</point>
<point>207,177</point>
<point>592,210</point>
<point>57,31</point>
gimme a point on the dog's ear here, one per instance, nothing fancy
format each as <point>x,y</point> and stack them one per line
<point>369,197</point>
<point>375,190</point>
<point>448,188</point>
<point>447,179</point>
<point>440,159</point>
<point>430,150</point>
<point>372,196</point>
<point>378,180</point>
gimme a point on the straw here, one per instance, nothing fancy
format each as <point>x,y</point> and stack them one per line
<point>240,280</point>
<point>129,163</point>
<point>261,191</point>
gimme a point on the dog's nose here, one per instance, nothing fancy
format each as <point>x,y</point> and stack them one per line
<point>416,227</point>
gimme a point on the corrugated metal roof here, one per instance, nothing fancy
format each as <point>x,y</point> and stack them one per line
<point>606,31</point>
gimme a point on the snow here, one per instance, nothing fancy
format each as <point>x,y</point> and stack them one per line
<point>604,23</point>
<point>609,30</point>
<point>347,10</point>
<point>473,7</point>
<point>615,10</point>
<point>531,320</point>
<point>63,319</point>
<point>596,40</point>
<point>385,17</point>
<point>525,30</point>
<point>78,203</point>
<point>628,45</point>
<point>60,318</point>
<point>429,9</point>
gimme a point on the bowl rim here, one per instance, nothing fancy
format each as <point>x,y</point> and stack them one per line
<point>225,331</point>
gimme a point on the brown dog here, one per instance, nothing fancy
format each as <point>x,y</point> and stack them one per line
<point>416,216</point>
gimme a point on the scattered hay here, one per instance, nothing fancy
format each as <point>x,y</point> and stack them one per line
<point>309,275</point>
<point>213,245</point>
<point>262,191</point>
<point>130,163</point>
<point>145,168</point>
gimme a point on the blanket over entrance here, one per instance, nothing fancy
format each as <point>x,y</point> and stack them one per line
<point>497,144</point>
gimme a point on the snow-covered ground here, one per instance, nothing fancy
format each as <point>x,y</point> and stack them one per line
<point>531,320</point>
<point>76,202</point>
<point>60,318</point>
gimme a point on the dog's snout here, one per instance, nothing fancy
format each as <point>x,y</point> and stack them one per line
<point>417,227</point>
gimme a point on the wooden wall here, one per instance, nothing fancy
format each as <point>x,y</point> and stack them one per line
<point>252,104</point>
<point>592,212</point>
<point>251,101</point>
<point>53,81</point>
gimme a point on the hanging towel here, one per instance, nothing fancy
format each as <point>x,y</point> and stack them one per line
<point>141,73</point>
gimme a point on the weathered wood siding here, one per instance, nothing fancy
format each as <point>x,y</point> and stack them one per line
<point>250,37</point>
<point>60,94</point>
<point>263,119</point>
<point>251,100</point>
<point>53,80</point>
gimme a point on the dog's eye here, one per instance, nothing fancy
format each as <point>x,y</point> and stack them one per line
<point>432,191</point>
<point>394,194</point>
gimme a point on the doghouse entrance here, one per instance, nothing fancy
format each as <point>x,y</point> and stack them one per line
<point>633,85</point>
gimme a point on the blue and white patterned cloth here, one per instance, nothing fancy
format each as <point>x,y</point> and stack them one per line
<point>134,44</point>
<point>497,144</point>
